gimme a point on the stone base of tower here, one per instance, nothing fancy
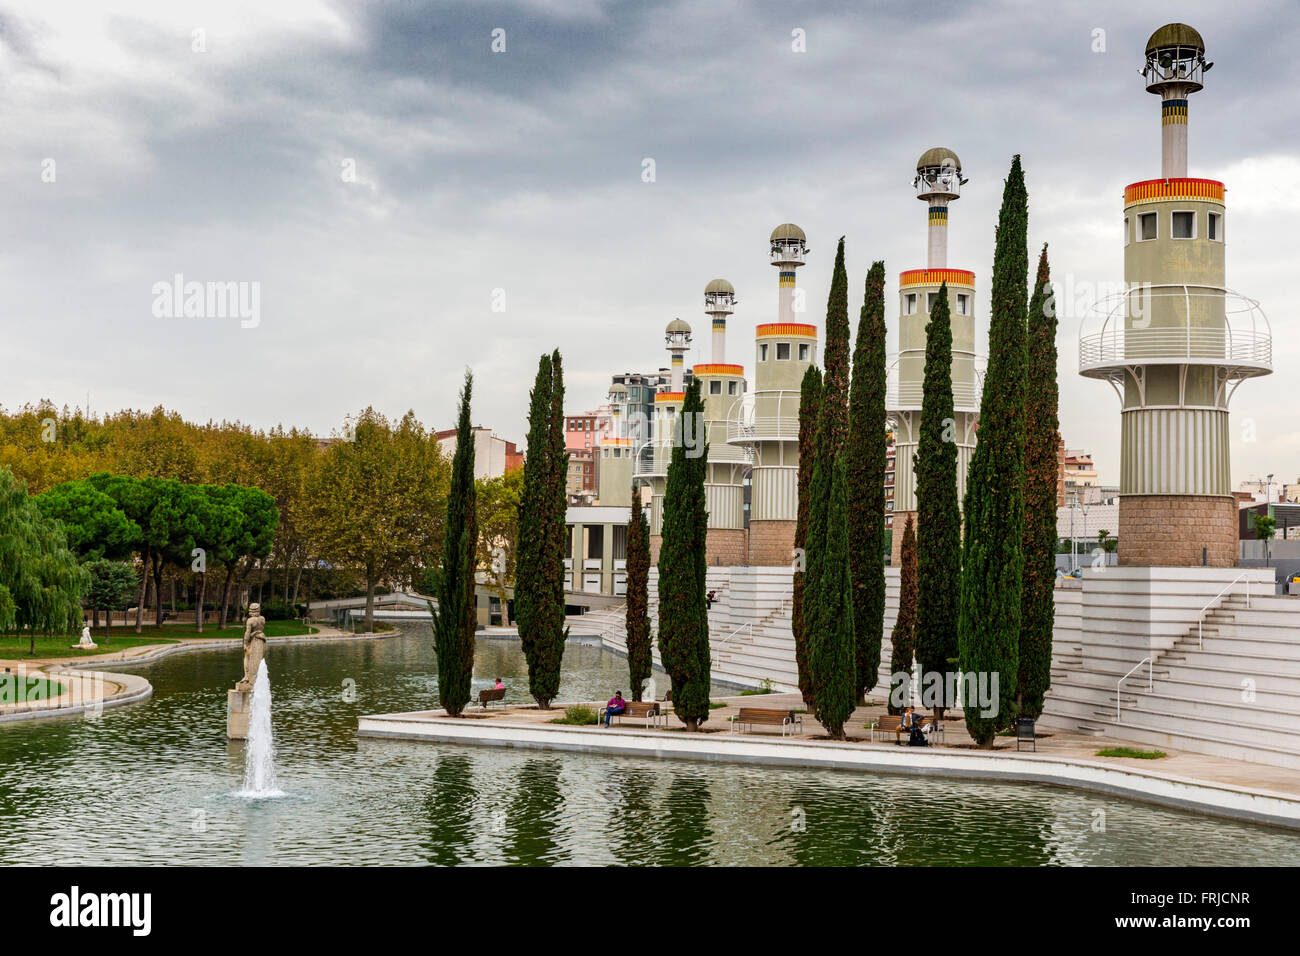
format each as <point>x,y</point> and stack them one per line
<point>896,538</point>
<point>656,542</point>
<point>726,547</point>
<point>1177,531</point>
<point>771,543</point>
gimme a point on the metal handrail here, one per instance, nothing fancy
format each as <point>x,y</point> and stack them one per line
<point>1200,621</point>
<point>743,627</point>
<point>1150,680</point>
<point>1185,344</point>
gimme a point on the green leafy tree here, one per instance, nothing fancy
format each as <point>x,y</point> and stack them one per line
<point>866,459</point>
<point>810,394</point>
<point>94,525</point>
<point>376,503</point>
<point>41,583</point>
<point>938,518</point>
<point>993,546</point>
<point>1265,529</point>
<point>498,529</point>
<point>254,520</point>
<point>639,661</point>
<point>903,639</point>
<point>112,586</point>
<point>683,615</point>
<point>1042,441</point>
<point>539,592</point>
<point>454,618</point>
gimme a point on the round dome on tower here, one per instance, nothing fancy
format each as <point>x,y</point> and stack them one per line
<point>788,231</point>
<point>618,389</point>
<point>719,287</point>
<point>677,325</point>
<point>938,156</point>
<point>1175,34</point>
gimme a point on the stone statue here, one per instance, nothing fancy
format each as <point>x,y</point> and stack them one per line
<point>87,641</point>
<point>254,646</point>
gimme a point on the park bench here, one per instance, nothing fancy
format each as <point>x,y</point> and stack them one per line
<point>751,716</point>
<point>894,724</point>
<point>1025,732</point>
<point>644,710</point>
<point>492,695</point>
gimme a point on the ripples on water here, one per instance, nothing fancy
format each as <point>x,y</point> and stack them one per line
<point>156,783</point>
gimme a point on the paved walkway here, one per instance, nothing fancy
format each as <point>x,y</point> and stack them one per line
<point>1063,744</point>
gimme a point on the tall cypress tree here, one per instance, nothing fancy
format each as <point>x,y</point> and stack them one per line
<point>1042,438</point>
<point>823,614</point>
<point>539,578</point>
<point>683,616</point>
<point>638,615</point>
<point>938,519</point>
<point>833,656</point>
<point>455,617</point>
<point>810,396</point>
<point>903,639</point>
<point>866,456</point>
<point>993,546</point>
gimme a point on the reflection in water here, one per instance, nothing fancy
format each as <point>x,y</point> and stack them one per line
<point>160,775</point>
<point>535,812</point>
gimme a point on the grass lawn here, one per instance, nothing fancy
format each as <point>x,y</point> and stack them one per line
<point>16,690</point>
<point>1131,752</point>
<point>15,645</point>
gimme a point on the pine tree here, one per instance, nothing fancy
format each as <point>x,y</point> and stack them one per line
<point>810,395</point>
<point>938,519</point>
<point>833,661</point>
<point>903,639</point>
<point>638,615</point>
<point>548,649</point>
<point>1042,439</point>
<point>866,457</point>
<point>683,616</point>
<point>992,549</point>
<point>455,617</point>
<point>835,408</point>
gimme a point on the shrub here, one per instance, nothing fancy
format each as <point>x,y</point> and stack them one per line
<point>579,714</point>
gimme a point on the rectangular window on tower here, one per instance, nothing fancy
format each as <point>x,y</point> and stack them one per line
<point>1214,229</point>
<point>715,387</point>
<point>963,303</point>
<point>909,304</point>
<point>1127,230</point>
<point>762,352</point>
<point>731,388</point>
<point>783,351</point>
<point>803,351</point>
<point>1146,227</point>
<point>930,299</point>
<point>1184,225</point>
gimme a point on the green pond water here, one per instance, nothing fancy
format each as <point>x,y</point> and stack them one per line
<point>157,783</point>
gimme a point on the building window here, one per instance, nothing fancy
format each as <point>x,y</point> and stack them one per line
<point>930,299</point>
<point>715,387</point>
<point>1184,225</point>
<point>762,352</point>
<point>963,303</point>
<point>1127,230</point>
<point>803,351</point>
<point>1146,227</point>
<point>783,351</point>
<point>1214,229</point>
<point>731,388</point>
<point>909,303</point>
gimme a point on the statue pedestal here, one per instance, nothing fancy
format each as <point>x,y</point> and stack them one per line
<point>239,707</point>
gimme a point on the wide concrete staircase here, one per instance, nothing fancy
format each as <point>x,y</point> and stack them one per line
<point>1227,684</point>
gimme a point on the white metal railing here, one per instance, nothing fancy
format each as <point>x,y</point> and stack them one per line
<point>1200,621</point>
<point>1184,345</point>
<point>902,395</point>
<point>744,627</point>
<point>783,428</point>
<point>1138,666</point>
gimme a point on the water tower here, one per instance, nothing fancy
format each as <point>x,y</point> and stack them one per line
<point>937,183</point>
<point>1177,343</point>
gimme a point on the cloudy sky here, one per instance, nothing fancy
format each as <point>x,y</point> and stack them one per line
<point>379,171</point>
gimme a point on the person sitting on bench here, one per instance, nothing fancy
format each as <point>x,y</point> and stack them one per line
<point>615,706</point>
<point>913,725</point>
<point>499,685</point>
